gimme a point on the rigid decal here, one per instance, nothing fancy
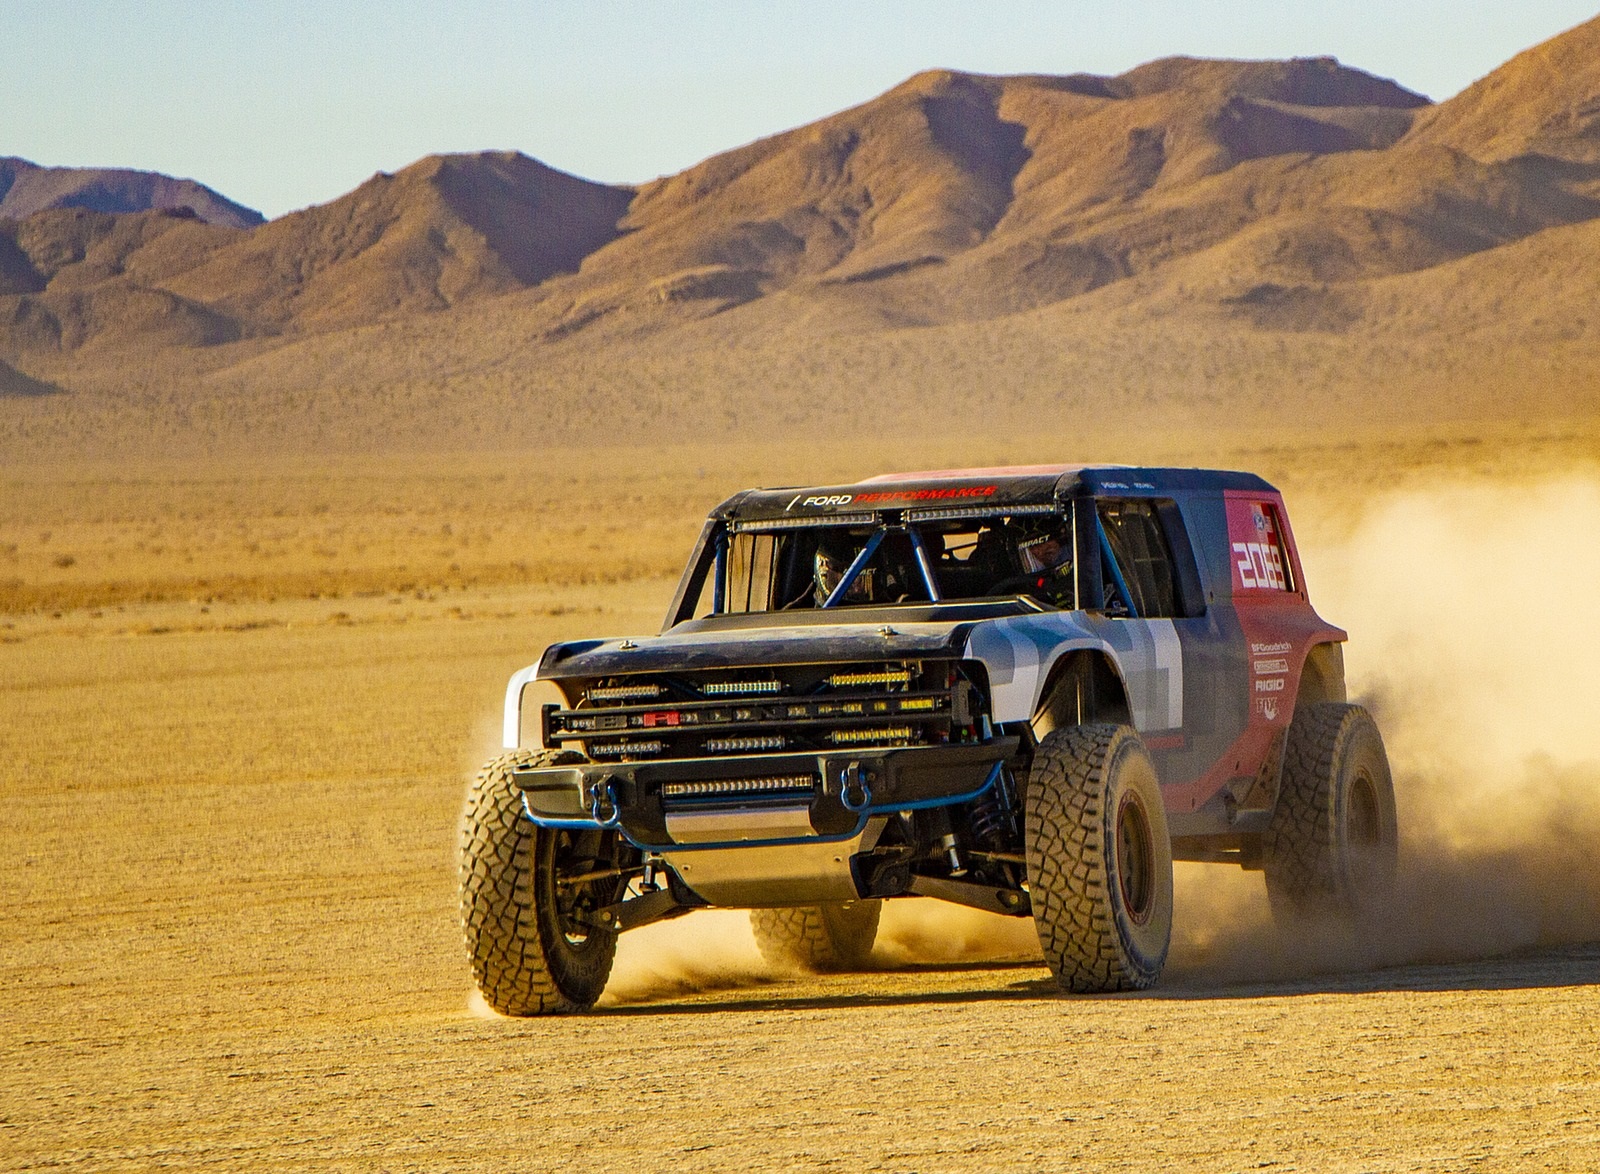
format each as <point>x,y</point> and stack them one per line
<point>1269,676</point>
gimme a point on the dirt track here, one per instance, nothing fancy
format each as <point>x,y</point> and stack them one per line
<point>228,940</point>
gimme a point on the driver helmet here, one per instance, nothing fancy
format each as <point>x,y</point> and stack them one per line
<point>831,562</point>
<point>1042,553</point>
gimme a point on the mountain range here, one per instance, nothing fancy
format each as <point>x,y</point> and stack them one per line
<point>26,188</point>
<point>1194,241</point>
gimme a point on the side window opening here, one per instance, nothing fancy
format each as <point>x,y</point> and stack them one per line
<point>751,560</point>
<point>1139,545</point>
<point>1017,557</point>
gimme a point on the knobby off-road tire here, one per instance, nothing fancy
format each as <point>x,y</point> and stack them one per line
<point>1332,846</point>
<point>1099,859</point>
<point>527,958</point>
<point>832,937</point>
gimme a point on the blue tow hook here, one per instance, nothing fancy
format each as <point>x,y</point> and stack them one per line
<point>603,806</point>
<point>854,790</point>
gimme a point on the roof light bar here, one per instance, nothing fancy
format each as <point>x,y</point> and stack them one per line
<point>761,524</point>
<point>623,692</point>
<point>759,786</point>
<point>978,511</point>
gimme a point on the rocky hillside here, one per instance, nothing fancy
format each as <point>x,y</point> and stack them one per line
<point>1185,236</point>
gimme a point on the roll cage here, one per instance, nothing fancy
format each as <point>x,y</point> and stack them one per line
<point>1092,576</point>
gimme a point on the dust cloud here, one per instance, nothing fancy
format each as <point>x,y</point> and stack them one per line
<point>707,950</point>
<point>925,932</point>
<point>1474,615</point>
<point>715,950</point>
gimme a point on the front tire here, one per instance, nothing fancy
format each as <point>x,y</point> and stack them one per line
<point>1333,844</point>
<point>825,938</point>
<point>529,955</point>
<point>1099,859</point>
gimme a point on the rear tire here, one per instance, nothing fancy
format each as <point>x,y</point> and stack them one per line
<point>1332,847</point>
<point>1099,859</point>
<point>528,955</point>
<point>825,938</point>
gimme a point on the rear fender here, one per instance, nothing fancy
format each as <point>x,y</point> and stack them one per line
<point>1322,678</point>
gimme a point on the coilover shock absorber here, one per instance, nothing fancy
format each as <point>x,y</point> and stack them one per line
<point>994,815</point>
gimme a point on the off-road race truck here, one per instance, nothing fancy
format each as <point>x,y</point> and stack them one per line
<point>1026,690</point>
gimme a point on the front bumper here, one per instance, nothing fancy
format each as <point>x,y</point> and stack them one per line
<point>773,799</point>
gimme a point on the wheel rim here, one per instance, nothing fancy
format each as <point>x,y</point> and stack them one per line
<point>1365,825</point>
<point>1136,860</point>
<point>576,853</point>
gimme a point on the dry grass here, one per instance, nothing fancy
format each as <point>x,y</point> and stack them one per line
<point>89,536</point>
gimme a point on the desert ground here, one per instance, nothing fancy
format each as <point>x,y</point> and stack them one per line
<point>239,703</point>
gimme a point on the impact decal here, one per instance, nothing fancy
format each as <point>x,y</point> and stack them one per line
<point>1164,707</point>
<point>1015,652</point>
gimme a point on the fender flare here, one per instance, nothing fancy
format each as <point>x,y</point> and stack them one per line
<point>1017,685</point>
<point>511,730</point>
<point>1063,664</point>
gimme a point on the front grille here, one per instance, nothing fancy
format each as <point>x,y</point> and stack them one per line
<point>795,708</point>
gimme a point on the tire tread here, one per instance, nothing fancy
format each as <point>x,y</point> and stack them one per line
<point>1069,861</point>
<point>509,958</point>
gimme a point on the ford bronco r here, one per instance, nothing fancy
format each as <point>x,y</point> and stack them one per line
<point>1025,690</point>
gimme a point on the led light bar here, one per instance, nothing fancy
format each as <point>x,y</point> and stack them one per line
<point>738,786</point>
<point>756,527</point>
<point>979,511</point>
<point>623,692</point>
<point>861,737</point>
<point>872,677</point>
<point>917,703</point>
<point>743,745</point>
<point>618,749</point>
<point>734,688</point>
<point>829,709</point>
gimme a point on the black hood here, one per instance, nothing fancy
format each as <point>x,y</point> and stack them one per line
<point>803,637</point>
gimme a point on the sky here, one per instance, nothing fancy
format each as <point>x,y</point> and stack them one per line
<point>283,103</point>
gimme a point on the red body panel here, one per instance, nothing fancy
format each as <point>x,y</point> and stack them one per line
<point>1280,629</point>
